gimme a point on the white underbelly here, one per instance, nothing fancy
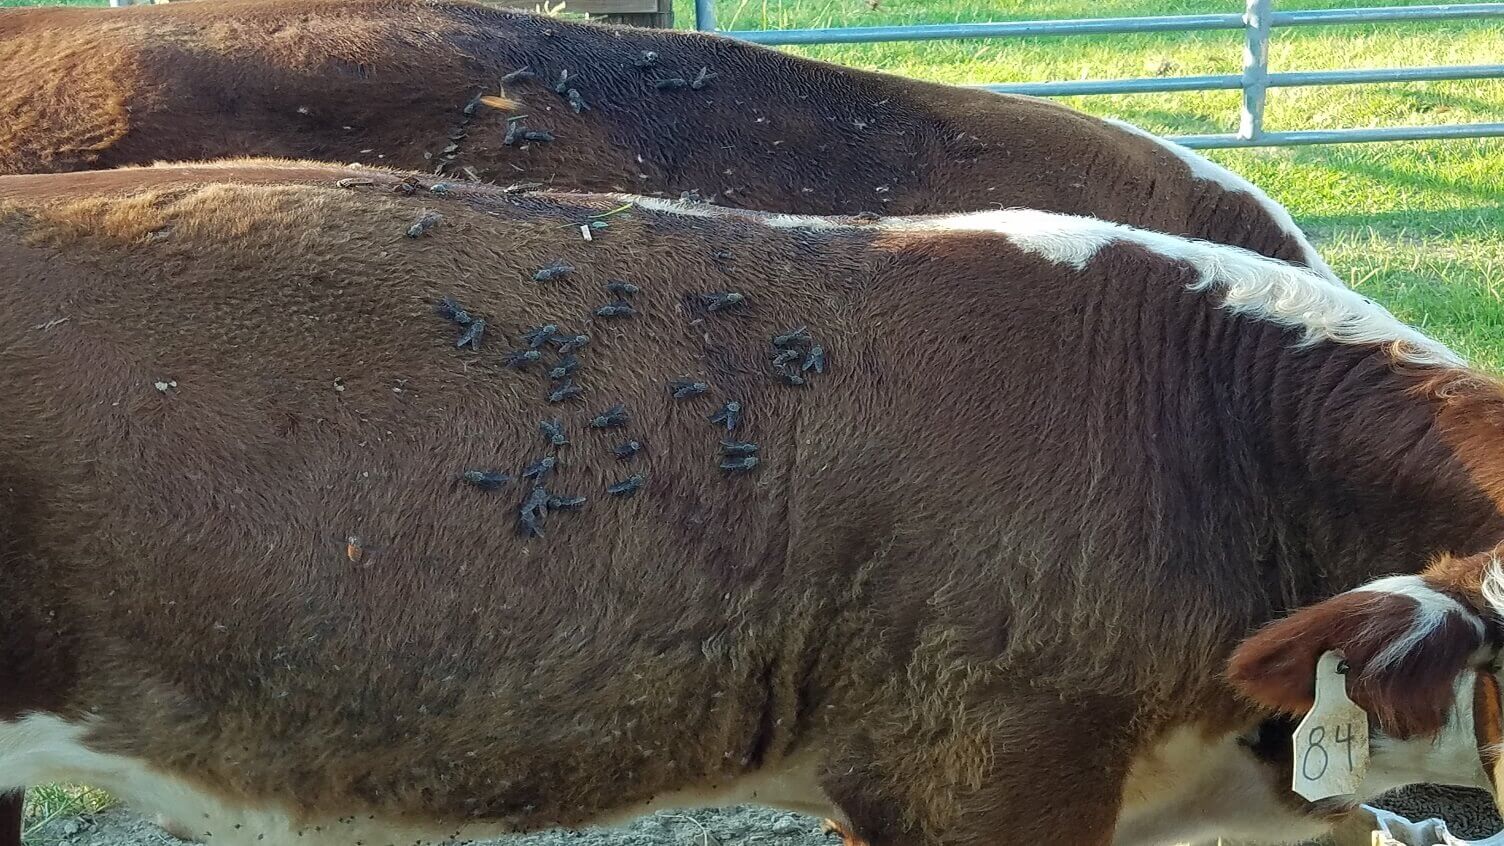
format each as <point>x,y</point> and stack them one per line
<point>42,749</point>
<point>1194,789</point>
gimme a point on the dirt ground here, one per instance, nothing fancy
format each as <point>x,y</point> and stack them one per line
<point>1469,814</point>
<point>729,827</point>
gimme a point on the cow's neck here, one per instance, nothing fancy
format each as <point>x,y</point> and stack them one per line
<point>1379,466</point>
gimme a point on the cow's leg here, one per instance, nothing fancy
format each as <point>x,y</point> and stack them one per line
<point>836,828</point>
<point>1010,772</point>
<point>10,817</point>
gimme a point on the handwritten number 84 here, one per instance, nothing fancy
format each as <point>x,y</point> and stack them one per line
<point>1314,763</point>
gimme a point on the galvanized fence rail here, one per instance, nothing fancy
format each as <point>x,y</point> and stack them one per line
<point>1257,22</point>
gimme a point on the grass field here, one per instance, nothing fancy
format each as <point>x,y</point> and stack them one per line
<point>1418,226</point>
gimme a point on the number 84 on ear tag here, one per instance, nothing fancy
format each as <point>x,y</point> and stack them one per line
<point>1331,743</point>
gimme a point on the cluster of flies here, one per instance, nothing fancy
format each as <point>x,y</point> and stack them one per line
<point>540,500</point>
<point>566,85</point>
<point>457,136</point>
<point>794,356</point>
<point>734,456</point>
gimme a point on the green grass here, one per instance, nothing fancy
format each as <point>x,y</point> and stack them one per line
<point>50,802</point>
<point>1418,226</point>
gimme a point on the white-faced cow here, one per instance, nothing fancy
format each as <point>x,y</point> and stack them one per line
<point>343,507</point>
<point>582,107</point>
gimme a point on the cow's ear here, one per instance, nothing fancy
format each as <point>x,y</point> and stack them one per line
<point>1405,643</point>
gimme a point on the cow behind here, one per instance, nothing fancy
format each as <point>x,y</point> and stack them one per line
<point>986,570</point>
<point>395,83</point>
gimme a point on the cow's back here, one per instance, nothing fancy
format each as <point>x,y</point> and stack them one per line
<point>394,83</point>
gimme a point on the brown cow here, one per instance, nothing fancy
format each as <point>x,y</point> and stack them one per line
<point>953,565</point>
<point>395,83</point>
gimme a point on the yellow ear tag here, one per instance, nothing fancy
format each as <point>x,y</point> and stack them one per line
<point>1331,743</point>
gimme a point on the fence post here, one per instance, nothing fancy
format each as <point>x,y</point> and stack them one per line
<point>661,19</point>
<point>1257,18</point>
<point>705,15</point>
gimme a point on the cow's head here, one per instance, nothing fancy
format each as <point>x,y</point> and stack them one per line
<point>1422,660</point>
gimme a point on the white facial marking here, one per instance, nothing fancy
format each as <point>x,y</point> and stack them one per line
<point>1493,584</point>
<point>1451,758</point>
<point>1432,609</point>
<point>1209,171</point>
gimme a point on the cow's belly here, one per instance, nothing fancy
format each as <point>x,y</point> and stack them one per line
<point>1194,788</point>
<point>41,749</point>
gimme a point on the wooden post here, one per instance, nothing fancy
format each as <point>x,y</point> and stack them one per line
<point>649,13</point>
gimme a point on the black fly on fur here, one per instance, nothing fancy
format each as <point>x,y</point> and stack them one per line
<point>620,308</point>
<point>472,335</point>
<point>566,391</point>
<point>791,338</point>
<point>816,359</point>
<point>520,359</point>
<point>567,344</point>
<point>614,417</point>
<point>540,468</point>
<point>744,464</point>
<point>537,337</point>
<point>553,432</point>
<point>553,270</point>
<point>533,510</point>
<point>627,486</point>
<point>564,369</point>
<point>722,300</point>
<point>686,388</point>
<point>426,221</point>
<point>448,309</point>
<point>730,415</point>
<point>522,73</point>
<point>486,480</point>
<point>703,77</point>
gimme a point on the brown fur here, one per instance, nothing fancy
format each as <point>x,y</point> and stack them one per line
<point>1488,720</point>
<point>1004,544</point>
<point>383,83</point>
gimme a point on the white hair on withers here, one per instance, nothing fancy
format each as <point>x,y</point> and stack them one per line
<point>681,207</point>
<point>1268,289</point>
<point>1432,609</point>
<point>1251,284</point>
<point>1209,171</point>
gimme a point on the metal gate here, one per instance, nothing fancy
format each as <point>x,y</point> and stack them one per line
<point>1258,22</point>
